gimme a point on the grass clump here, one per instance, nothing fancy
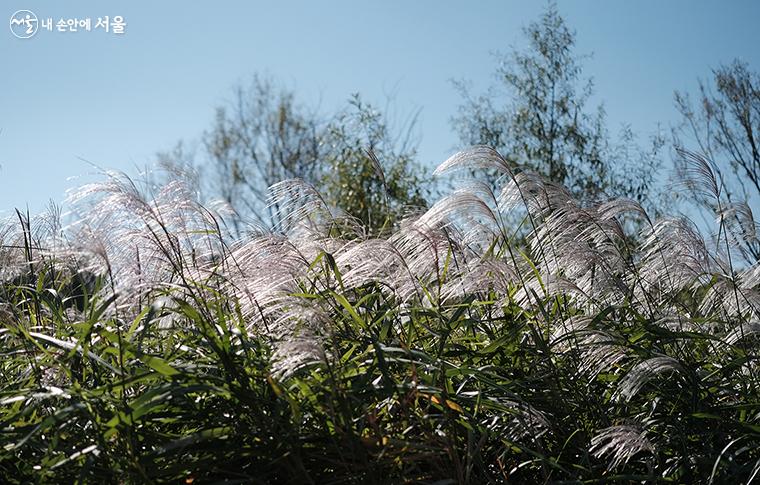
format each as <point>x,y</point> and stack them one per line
<point>144,344</point>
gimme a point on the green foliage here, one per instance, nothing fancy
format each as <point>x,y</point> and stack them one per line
<point>366,174</point>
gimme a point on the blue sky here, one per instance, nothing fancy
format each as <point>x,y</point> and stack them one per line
<point>116,100</point>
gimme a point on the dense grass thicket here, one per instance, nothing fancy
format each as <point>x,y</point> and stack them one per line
<point>514,336</point>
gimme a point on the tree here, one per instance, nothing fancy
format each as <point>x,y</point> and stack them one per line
<point>545,125</point>
<point>724,126</point>
<point>263,136</point>
<point>373,175</point>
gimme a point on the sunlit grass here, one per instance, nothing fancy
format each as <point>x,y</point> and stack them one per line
<point>144,344</point>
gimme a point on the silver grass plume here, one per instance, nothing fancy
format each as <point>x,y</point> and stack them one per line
<point>145,243</point>
<point>480,276</point>
<point>426,251</point>
<point>297,202</point>
<point>468,209</point>
<point>600,351</point>
<point>621,443</point>
<point>699,175</point>
<point>643,372</point>
<point>673,257</point>
<point>476,157</point>
<point>743,331</point>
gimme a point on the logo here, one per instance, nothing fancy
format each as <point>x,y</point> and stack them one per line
<point>24,24</point>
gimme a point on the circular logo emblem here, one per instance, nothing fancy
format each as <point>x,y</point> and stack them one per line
<point>24,24</point>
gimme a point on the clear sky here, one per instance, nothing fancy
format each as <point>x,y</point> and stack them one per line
<point>116,100</point>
